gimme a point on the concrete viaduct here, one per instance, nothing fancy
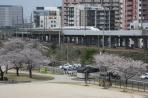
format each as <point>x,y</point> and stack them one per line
<point>112,39</point>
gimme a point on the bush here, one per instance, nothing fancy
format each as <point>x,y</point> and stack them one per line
<point>87,56</point>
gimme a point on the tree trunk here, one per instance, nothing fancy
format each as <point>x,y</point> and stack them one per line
<point>30,72</point>
<point>2,74</point>
<point>86,78</point>
<point>6,69</point>
<point>17,71</point>
<point>109,79</point>
<point>126,82</point>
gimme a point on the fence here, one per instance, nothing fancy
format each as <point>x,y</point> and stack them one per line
<point>130,85</point>
<point>55,70</point>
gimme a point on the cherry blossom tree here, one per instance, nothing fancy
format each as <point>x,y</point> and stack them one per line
<point>34,58</point>
<point>16,52</point>
<point>124,66</point>
<point>4,65</point>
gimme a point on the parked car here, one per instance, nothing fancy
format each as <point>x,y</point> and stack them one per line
<point>115,76</point>
<point>65,66</point>
<point>87,69</point>
<point>144,76</point>
<point>69,67</point>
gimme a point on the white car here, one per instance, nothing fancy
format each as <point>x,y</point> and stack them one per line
<point>65,66</point>
<point>144,76</point>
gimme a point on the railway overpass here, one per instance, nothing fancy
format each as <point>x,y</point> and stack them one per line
<point>88,36</point>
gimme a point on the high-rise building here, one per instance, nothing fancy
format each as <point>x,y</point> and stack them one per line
<point>10,16</point>
<point>129,12</point>
<point>112,5</point>
<point>143,11</point>
<point>46,17</point>
<point>91,15</point>
<point>135,12</point>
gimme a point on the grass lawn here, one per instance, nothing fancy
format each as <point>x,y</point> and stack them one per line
<point>25,77</point>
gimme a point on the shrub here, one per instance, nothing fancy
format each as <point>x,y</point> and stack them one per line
<point>87,56</point>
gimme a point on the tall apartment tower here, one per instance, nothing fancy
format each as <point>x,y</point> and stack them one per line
<point>110,4</point>
<point>143,10</point>
<point>134,11</point>
<point>129,12</point>
<point>91,15</point>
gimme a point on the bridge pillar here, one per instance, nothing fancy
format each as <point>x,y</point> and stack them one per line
<point>98,41</point>
<point>82,40</point>
<point>118,42</point>
<point>102,41</point>
<point>136,42</point>
<point>140,43</point>
<point>126,42</point>
<point>49,38</point>
<point>46,38</point>
<point>121,41</point>
<point>113,42</point>
<point>77,40</point>
<point>131,43</point>
<point>145,42</point>
<point>110,41</point>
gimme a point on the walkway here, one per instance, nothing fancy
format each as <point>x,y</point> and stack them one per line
<point>54,90</point>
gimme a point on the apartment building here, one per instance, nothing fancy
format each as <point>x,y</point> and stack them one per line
<point>91,15</point>
<point>134,12</point>
<point>112,5</point>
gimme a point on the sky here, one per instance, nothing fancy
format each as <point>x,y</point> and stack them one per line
<point>29,5</point>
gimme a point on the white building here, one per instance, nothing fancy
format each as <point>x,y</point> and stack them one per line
<point>47,17</point>
<point>136,25</point>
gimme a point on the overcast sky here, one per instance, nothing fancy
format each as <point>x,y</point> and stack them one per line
<point>29,5</point>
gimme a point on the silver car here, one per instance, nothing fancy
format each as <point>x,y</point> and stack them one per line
<point>144,76</point>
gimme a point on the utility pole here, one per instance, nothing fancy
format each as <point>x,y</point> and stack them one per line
<point>44,27</point>
<point>141,14</point>
<point>104,24</point>
<point>85,14</point>
<point>60,28</point>
<point>16,26</point>
<point>85,10</point>
<point>96,27</point>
